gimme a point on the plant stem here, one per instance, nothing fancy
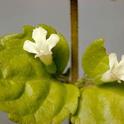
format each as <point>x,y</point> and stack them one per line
<point>74,39</point>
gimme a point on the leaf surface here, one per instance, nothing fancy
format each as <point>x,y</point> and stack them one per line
<point>28,91</point>
<point>95,61</point>
<point>101,105</point>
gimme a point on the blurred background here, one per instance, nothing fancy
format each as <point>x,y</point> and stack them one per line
<point>97,19</point>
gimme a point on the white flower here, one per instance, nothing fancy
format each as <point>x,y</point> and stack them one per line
<point>116,69</point>
<point>41,47</point>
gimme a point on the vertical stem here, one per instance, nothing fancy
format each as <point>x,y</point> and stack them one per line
<point>74,39</point>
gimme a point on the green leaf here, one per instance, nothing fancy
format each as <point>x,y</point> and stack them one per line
<point>61,54</point>
<point>101,105</point>
<point>69,106</point>
<point>95,61</point>
<point>57,106</point>
<point>17,66</point>
<point>28,92</point>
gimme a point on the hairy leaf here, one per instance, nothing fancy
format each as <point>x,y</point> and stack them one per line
<point>101,105</point>
<point>57,106</point>
<point>28,91</point>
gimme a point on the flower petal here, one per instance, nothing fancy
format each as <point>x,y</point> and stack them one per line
<point>122,57</point>
<point>121,77</point>
<point>52,41</point>
<point>29,46</point>
<point>122,61</point>
<point>119,69</point>
<point>106,77</point>
<point>39,35</point>
<point>113,60</point>
<point>46,59</point>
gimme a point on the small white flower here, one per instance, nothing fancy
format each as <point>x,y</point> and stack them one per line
<point>116,69</point>
<point>41,47</point>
